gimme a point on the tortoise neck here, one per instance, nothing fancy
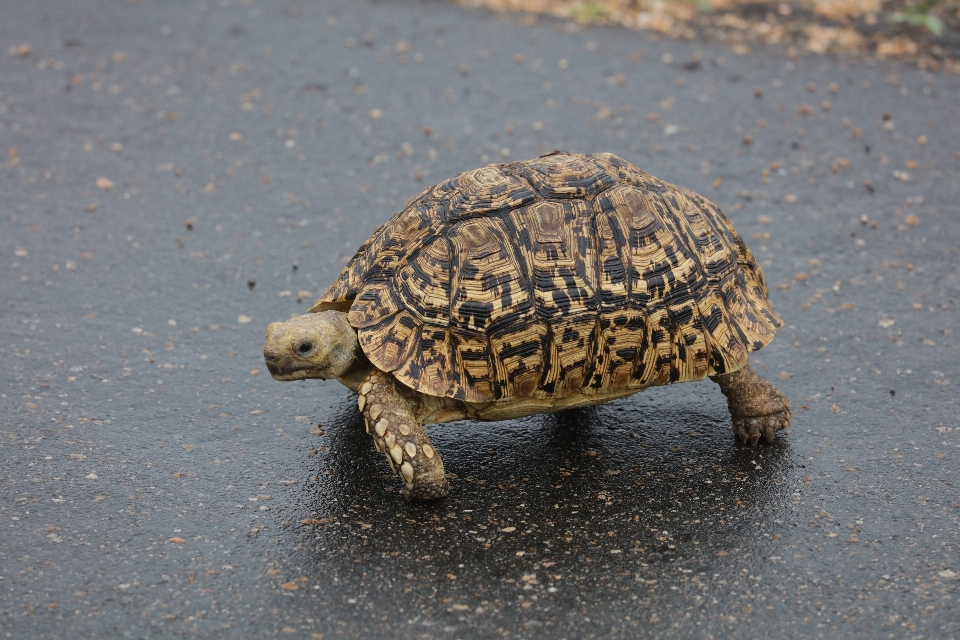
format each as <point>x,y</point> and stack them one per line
<point>354,375</point>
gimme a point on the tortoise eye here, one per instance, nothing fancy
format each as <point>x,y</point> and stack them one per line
<point>306,347</point>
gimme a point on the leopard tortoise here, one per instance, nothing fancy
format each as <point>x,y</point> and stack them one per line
<point>531,287</point>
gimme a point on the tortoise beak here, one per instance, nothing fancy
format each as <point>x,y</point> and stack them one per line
<point>272,366</point>
<point>283,367</point>
<point>273,352</point>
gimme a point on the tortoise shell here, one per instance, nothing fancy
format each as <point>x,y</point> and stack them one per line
<point>563,275</point>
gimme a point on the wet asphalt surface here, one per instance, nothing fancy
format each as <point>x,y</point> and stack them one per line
<point>175,175</point>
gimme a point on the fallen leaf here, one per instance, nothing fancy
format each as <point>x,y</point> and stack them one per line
<point>896,47</point>
<point>838,9</point>
<point>821,39</point>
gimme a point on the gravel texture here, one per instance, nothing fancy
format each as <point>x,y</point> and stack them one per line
<point>178,174</point>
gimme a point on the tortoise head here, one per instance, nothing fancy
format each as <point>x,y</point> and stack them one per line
<point>314,345</point>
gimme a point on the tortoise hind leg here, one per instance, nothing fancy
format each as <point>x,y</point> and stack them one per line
<point>393,419</point>
<point>756,406</point>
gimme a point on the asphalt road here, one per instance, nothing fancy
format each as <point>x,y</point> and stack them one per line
<point>176,175</point>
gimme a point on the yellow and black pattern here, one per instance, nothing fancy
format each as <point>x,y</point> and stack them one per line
<point>562,275</point>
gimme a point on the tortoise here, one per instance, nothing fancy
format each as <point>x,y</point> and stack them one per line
<point>531,287</point>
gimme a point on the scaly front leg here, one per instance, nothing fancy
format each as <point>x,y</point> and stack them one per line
<point>391,413</point>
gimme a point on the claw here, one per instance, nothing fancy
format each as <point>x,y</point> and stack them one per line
<point>756,406</point>
<point>750,430</point>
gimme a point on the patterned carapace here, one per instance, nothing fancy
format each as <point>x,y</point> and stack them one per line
<point>563,275</point>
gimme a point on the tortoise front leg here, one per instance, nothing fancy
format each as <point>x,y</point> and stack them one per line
<point>392,418</point>
<point>756,406</point>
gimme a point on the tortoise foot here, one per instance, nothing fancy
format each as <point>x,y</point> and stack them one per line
<point>757,408</point>
<point>749,429</point>
<point>424,489</point>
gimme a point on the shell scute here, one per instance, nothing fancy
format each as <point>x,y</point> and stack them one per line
<point>488,289</point>
<point>562,257</point>
<point>481,191</point>
<point>391,342</point>
<point>565,176</point>
<point>388,249</point>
